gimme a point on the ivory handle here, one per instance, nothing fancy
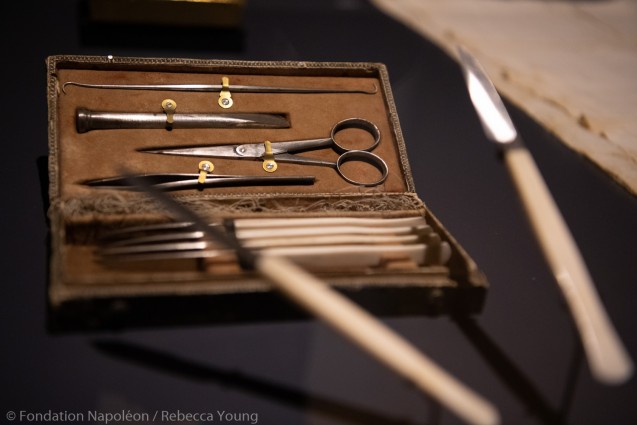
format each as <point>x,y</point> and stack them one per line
<point>377,339</point>
<point>607,357</point>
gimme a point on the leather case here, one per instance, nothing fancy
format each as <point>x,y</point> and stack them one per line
<point>85,291</point>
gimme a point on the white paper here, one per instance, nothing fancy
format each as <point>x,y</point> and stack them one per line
<point>570,65</point>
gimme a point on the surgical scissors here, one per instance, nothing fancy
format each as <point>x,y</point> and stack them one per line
<point>284,151</point>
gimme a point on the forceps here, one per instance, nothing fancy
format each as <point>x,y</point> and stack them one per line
<point>181,181</point>
<point>284,151</point>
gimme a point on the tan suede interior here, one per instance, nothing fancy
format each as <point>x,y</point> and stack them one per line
<point>104,153</point>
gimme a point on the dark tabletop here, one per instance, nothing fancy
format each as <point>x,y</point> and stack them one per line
<point>521,353</point>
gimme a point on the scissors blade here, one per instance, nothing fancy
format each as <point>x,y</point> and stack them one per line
<point>254,150</point>
<point>221,151</point>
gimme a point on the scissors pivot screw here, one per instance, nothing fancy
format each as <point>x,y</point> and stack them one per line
<point>205,167</point>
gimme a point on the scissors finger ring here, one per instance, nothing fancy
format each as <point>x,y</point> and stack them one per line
<point>363,156</point>
<point>359,123</point>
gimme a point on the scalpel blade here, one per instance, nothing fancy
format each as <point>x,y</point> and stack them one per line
<point>607,357</point>
<point>491,111</point>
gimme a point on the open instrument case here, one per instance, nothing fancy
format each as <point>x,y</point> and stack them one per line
<point>89,291</point>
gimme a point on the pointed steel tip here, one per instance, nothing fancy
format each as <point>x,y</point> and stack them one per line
<point>151,150</point>
<point>91,182</point>
<point>471,66</point>
<point>272,120</point>
<point>258,120</point>
<point>466,59</point>
<point>97,184</point>
<point>103,183</point>
<point>462,53</point>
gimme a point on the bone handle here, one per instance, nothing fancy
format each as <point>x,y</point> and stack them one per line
<point>377,339</point>
<point>607,357</point>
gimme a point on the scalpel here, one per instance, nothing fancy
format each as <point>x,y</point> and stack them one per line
<point>607,357</point>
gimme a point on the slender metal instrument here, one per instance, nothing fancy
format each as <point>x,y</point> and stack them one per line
<point>607,357</point>
<point>400,234</point>
<point>368,245</point>
<point>369,242</point>
<point>182,181</point>
<point>354,323</point>
<point>87,120</point>
<point>271,223</point>
<point>218,87</point>
<point>318,257</point>
<point>225,89</point>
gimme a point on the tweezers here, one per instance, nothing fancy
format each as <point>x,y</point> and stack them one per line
<point>182,181</point>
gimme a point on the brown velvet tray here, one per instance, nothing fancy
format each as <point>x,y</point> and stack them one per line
<point>86,292</point>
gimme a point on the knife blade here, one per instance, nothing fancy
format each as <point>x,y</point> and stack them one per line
<point>607,357</point>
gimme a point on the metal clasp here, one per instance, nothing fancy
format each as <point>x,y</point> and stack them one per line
<point>169,106</point>
<point>225,97</point>
<point>269,164</point>
<point>205,168</point>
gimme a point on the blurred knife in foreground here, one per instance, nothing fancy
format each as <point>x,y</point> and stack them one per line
<point>345,317</point>
<point>609,362</point>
